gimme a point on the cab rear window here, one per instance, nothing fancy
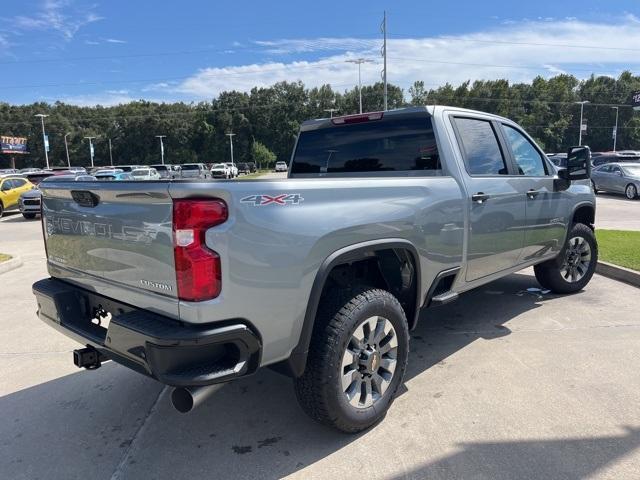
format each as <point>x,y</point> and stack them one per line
<point>402,145</point>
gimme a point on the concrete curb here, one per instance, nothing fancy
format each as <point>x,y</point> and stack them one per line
<point>10,264</point>
<point>619,273</point>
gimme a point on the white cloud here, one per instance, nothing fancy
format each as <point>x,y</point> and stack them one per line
<point>56,15</point>
<point>518,51</point>
<point>114,40</point>
<point>106,99</point>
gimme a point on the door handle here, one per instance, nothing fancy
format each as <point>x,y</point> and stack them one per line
<point>480,197</point>
<point>533,193</point>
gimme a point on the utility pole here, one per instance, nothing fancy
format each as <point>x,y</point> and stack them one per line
<point>615,130</point>
<point>384,57</point>
<point>231,135</point>
<point>581,113</point>
<point>161,147</point>
<point>45,140</point>
<point>66,147</point>
<point>90,148</point>
<point>330,110</point>
<point>110,155</point>
<point>359,62</point>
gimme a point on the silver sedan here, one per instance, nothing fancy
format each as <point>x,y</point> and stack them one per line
<point>617,178</point>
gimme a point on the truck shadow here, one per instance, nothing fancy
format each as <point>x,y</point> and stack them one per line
<point>115,422</point>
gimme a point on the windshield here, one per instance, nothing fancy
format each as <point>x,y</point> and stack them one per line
<point>160,167</point>
<point>632,170</point>
<point>219,165</point>
<point>190,167</point>
<point>140,173</point>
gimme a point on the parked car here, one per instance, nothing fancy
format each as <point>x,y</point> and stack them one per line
<point>30,170</point>
<point>322,276</point>
<point>195,170</point>
<point>113,175</point>
<point>9,171</point>
<point>281,167</point>
<point>252,167</point>
<point>244,168</point>
<point>612,157</point>
<point>145,174</point>
<point>233,169</point>
<point>220,170</point>
<point>617,178</point>
<point>30,201</point>
<point>38,176</point>
<point>11,187</point>
<point>558,159</point>
<point>167,172</point>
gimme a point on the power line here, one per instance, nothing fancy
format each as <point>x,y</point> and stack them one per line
<point>533,44</point>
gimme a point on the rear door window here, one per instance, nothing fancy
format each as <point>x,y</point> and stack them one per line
<point>398,145</point>
<point>481,149</point>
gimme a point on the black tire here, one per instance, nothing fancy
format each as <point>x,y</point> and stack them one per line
<point>29,216</point>
<point>631,192</point>
<point>593,185</point>
<point>1,209</point>
<point>320,390</point>
<point>557,274</point>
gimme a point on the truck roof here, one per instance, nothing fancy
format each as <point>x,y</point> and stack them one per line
<point>399,112</point>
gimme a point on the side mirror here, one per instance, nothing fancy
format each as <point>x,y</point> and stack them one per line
<point>578,163</point>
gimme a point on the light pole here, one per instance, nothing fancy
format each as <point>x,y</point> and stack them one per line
<point>231,135</point>
<point>110,155</point>
<point>90,148</point>
<point>45,142</point>
<point>359,62</point>
<point>331,110</point>
<point>161,147</point>
<point>615,130</point>
<point>66,147</point>
<point>581,113</point>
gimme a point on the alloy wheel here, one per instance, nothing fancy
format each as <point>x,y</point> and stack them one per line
<point>631,192</point>
<point>369,362</point>
<point>577,260</point>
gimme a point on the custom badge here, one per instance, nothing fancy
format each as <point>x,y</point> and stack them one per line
<point>263,200</point>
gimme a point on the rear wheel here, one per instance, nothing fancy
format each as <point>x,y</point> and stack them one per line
<point>631,191</point>
<point>1,209</point>
<point>357,359</point>
<point>574,267</point>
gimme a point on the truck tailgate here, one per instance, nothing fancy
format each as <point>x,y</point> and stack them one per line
<point>115,233</point>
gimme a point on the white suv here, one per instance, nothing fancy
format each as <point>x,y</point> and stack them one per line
<point>281,167</point>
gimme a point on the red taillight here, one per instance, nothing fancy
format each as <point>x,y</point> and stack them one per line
<point>366,117</point>
<point>198,273</point>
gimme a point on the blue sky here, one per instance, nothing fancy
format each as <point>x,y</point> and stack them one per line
<point>89,52</point>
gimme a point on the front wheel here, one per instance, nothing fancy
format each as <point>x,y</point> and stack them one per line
<point>357,359</point>
<point>593,186</point>
<point>574,267</point>
<point>631,191</point>
<point>29,216</point>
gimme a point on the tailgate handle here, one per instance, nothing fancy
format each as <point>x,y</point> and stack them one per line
<point>85,198</point>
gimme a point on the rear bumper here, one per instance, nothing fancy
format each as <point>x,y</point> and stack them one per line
<point>170,351</point>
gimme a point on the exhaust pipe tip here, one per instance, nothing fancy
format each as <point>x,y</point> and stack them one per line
<point>185,399</point>
<point>182,400</point>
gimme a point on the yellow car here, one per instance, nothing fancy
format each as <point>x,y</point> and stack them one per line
<point>10,190</point>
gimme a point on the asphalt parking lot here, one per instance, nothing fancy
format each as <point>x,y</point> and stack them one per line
<point>504,383</point>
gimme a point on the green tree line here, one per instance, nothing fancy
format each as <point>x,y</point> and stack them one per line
<point>266,120</point>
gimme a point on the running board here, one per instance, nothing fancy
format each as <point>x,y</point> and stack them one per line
<point>444,298</point>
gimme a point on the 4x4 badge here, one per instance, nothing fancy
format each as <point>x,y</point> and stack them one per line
<point>282,199</point>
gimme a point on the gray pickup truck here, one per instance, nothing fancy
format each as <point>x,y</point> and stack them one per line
<point>320,275</point>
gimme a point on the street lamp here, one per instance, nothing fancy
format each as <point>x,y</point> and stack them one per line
<point>231,135</point>
<point>161,147</point>
<point>90,148</point>
<point>331,110</point>
<point>66,147</point>
<point>581,112</point>
<point>615,130</point>
<point>45,142</point>
<point>110,154</point>
<point>359,62</point>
